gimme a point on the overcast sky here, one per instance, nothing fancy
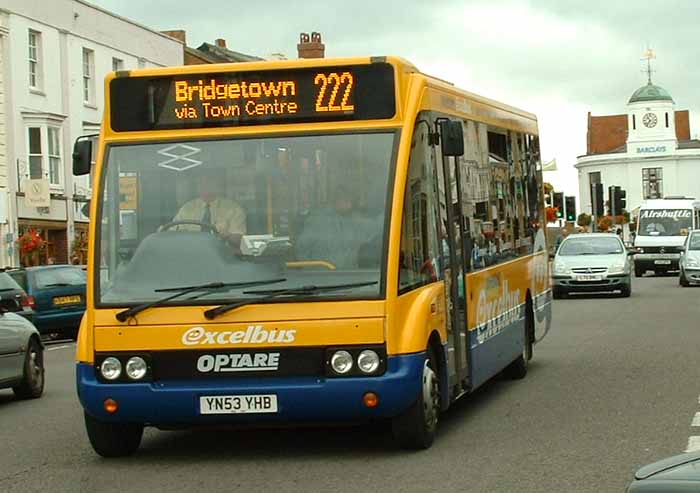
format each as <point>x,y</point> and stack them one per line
<point>556,58</point>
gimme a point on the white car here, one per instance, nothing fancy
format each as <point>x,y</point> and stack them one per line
<point>591,263</point>
<point>21,356</point>
<point>690,260</point>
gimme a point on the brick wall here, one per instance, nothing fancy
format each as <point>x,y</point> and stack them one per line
<point>609,132</point>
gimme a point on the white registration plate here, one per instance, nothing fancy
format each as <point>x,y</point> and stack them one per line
<point>238,404</point>
<point>662,262</point>
<point>588,277</point>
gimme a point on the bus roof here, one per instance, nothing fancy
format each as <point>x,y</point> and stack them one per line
<point>436,94</point>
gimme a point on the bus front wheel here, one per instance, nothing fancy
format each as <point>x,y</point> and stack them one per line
<point>113,439</point>
<point>415,428</point>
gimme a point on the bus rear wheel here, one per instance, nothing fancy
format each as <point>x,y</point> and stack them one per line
<point>113,439</point>
<point>416,427</point>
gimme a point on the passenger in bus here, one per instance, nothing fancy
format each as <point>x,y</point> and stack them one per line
<point>335,234</point>
<point>211,207</point>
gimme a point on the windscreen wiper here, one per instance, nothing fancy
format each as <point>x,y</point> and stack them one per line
<point>57,285</point>
<point>274,293</point>
<point>124,315</point>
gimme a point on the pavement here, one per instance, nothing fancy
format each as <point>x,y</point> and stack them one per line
<point>613,387</point>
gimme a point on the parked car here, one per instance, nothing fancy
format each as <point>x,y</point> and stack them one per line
<point>675,474</point>
<point>13,298</point>
<point>592,262</point>
<point>690,260</point>
<point>59,297</point>
<point>21,356</point>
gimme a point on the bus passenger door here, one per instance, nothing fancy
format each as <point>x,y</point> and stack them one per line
<point>453,238</point>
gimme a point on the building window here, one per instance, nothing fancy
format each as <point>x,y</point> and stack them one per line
<point>634,123</point>
<point>34,59</point>
<point>54,155</point>
<point>88,72</point>
<point>652,183</point>
<point>35,155</point>
<point>117,64</point>
<point>666,120</point>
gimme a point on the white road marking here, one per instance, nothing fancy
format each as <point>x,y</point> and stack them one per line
<point>693,444</point>
<point>696,420</point>
<point>53,348</point>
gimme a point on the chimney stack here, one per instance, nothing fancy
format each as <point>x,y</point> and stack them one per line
<point>311,46</point>
<point>221,43</point>
<point>179,34</point>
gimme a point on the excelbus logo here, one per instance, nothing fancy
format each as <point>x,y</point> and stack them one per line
<point>254,334</point>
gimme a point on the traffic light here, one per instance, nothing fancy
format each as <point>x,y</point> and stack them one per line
<point>559,203</point>
<point>612,199</point>
<point>570,203</point>
<point>597,199</point>
<point>621,200</point>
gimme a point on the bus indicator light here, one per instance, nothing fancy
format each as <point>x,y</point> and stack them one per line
<point>111,406</point>
<point>370,399</point>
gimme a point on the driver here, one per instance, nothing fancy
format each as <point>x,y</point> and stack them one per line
<point>211,207</point>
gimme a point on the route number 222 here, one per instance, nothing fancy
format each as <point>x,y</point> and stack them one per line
<point>330,87</point>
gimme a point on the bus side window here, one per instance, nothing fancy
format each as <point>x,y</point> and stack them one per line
<point>421,255</point>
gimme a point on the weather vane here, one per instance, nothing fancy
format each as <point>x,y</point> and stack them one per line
<point>649,54</point>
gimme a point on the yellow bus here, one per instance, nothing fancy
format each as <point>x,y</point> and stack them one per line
<point>305,241</point>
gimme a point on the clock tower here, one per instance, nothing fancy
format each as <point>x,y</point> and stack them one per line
<point>650,120</point>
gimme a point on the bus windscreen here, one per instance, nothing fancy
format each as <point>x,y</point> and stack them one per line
<point>355,92</point>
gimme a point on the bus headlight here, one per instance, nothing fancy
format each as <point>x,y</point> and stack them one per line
<point>136,368</point>
<point>368,361</point>
<point>341,362</point>
<point>111,368</point>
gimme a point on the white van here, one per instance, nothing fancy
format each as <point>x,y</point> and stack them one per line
<point>662,226</point>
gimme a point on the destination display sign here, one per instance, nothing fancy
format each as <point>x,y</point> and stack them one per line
<point>357,92</point>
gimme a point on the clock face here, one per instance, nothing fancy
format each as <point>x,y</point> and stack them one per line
<point>649,120</point>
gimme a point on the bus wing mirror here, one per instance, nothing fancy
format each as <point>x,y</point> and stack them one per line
<point>452,138</point>
<point>82,156</point>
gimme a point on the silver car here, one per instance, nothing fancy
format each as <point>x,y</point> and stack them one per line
<point>690,260</point>
<point>21,356</point>
<point>592,262</point>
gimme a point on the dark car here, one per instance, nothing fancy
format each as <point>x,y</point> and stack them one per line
<point>13,298</point>
<point>59,297</point>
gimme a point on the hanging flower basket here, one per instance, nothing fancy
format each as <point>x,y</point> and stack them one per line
<point>30,246</point>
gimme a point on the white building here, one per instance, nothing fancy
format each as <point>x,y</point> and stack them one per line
<point>643,151</point>
<point>54,56</point>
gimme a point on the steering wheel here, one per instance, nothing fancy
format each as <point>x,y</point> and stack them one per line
<point>203,226</point>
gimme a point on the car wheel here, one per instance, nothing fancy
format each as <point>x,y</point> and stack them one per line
<point>626,290</point>
<point>113,439</point>
<point>682,280</point>
<point>415,428</point>
<point>32,384</point>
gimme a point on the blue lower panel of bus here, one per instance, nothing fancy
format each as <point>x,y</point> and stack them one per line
<point>176,402</point>
<point>491,355</point>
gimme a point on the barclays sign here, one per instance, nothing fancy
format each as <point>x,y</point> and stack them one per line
<point>651,149</point>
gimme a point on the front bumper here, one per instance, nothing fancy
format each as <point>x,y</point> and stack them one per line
<point>692,275</point>
<point>657,261</point>
<point>315,399</point>
<point>569,284</point>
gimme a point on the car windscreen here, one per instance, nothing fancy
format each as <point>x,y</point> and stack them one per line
<point>7,283</point>
<point>694,242</point>
<point>591,245</point>
<point>664,222</point>
<point>59,276</point>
